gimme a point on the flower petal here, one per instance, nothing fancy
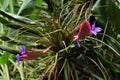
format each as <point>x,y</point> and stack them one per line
<point>94,32</point>
<point>93,26</point>
<point>95,29</point>
<point>98,29</point>
<point>78,44</point>
<point>18,58</point>
<point>22,50</point>
<point>76,37</point>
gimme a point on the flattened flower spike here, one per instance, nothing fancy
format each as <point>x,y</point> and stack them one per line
<point>84,30</point>
<point>30,54</point>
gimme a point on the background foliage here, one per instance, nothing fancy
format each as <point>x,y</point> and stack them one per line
<point>38,24</point>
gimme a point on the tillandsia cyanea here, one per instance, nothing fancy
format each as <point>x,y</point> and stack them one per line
<point>86,30</point>
<point>30,54</point>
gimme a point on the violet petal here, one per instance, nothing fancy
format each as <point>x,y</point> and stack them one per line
<point>98,29</point>
<point>78,44</point>
<point>94,32</point>
<point>93,26</point>
<point>18,58</point>
<point>22,50</point>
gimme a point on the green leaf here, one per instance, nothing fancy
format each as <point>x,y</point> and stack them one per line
<point>99,11</point>
<point>113,13</point>
<point>114,45</point>
<point>36,10</point>
<point>4,58</point>
<point>110,47</point>
<point>75,71</point>
<point>108,10</point>
<point>27,7</point>
<point>1,2</point>
<point>18,26</point>
<point>8,49</point>
<point>1,29</point>
<point>17,18</point>
<point>2,78</point>
<point>5,4</point>
<point>97,77</point>
<point>107,63</point>
<point>67,71</point>
<point>39,2</point>
<point>57,2</point>
<point>18,42</point>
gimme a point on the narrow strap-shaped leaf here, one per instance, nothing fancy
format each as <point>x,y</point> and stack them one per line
<point>12,51</point>
<point>27,7</point>
<point>106,62</point>
<point>16,18</point>
<point>17,26</point>
<point>18,42</point>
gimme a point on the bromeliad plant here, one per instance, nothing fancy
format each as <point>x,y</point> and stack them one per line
<point>53,38</point>
<point>86,30</point>
<point>29,54</point>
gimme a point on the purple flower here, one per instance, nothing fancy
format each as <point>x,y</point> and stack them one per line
<point>18,58</point>
<point>95,29</point>
<point>22,50</point>
<point>77,41</point>
<point>30,54</point>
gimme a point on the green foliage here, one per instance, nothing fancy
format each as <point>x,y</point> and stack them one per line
<point>27,7</point>
<point>111,12</point>
<point>38,24</point>
<point>4,58</point>
<point>57,2</point>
